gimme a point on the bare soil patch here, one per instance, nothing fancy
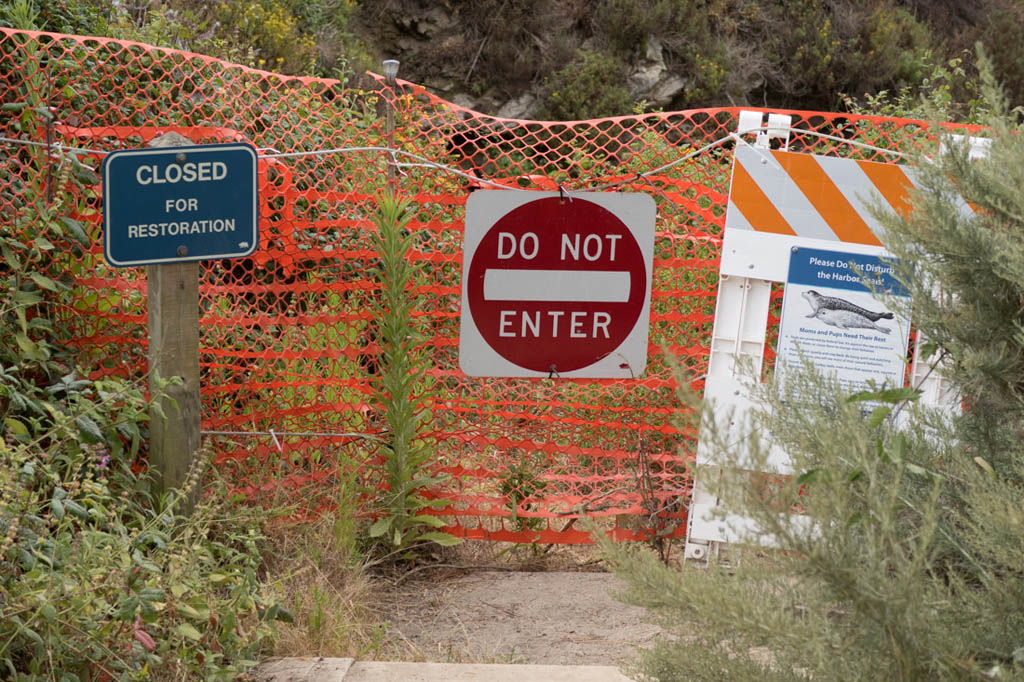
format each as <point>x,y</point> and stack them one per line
<point>557,611</point>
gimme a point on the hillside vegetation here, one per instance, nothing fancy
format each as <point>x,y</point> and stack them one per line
<point>568,59</point>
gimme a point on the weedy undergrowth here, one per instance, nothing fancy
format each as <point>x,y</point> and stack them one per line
<point>99,579</point>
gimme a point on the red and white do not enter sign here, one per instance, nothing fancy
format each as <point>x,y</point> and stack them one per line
<point>556,285</point>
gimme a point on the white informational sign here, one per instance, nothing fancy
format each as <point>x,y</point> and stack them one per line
<point>556,286</point>
<point>832,320</point>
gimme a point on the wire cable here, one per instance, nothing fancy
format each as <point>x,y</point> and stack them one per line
<point>423,162</point>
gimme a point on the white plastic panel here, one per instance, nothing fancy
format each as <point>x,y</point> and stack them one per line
<point>707,522</point>
<point>979,146</point>
<point>749,121</point>
<point>747,253</point>
<point>727,403</point>
<point>741,320</point>
<point>936,390</point>
<point>778,128</point>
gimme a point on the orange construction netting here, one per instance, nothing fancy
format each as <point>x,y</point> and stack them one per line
<point>286,344</point>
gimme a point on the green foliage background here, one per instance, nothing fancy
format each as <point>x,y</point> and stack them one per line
<point>574,56</point>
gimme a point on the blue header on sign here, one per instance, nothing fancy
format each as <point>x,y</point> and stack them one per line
<point>841,270</point>
<point>177,204</point>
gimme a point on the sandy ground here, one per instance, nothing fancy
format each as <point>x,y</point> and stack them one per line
<point>554,617</point>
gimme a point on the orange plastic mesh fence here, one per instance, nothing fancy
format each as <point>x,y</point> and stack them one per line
<point>285,340</point>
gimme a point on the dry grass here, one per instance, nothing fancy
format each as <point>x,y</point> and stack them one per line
<point>342,601</point>
<point>317,573</point>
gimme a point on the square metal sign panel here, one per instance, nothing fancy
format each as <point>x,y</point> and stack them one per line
<point>841,314</point>
<point>177,204</point>
<point>556,286</point>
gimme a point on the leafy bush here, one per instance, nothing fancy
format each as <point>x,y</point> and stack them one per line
<point>904,561</point>
<point>947,92</point>
<point>586,88</point>
<point>626,24</point>
<point>64,16</point>
<point>273,31</point>
<point>893,47</point>
<point>98,579</point>
<point>1000,33</point>
<point>96,583</point>
<point>691,32</point>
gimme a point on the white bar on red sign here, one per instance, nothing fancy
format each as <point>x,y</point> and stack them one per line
<point>597,286</point>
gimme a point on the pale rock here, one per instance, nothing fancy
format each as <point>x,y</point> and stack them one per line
<point>428,24</point>
<point>666,90</point>
<point>646,73</point>
<point>650,79</point>
<point>522,107</point>
<point>463,100</point>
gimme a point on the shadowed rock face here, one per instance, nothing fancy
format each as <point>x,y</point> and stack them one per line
<point>441,50</point>
<point>500,57</point>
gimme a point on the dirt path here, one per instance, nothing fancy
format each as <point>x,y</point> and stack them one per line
<point>553,617</point>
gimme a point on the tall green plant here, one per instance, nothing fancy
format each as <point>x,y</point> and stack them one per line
<point>900,535</point>
<point>403,522</point>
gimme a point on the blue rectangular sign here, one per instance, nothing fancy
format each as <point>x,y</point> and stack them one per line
<point>177,204</point>
<point>846,315</point>
<point>841,270</point>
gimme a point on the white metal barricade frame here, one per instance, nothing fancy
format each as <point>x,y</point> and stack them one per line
<point>751,261</point>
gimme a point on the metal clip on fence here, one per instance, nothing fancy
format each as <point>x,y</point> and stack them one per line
<point>51,119</point>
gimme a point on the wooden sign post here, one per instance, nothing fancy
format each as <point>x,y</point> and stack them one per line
<point>168,207</point>
<point>173,302</point>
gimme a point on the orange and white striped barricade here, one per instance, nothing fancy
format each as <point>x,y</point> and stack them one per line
<point>779,200</point>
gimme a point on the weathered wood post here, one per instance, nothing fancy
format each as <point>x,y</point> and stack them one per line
<point>173,291</point>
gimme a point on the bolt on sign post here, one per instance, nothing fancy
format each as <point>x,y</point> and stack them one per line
<point>556,286</point>
<point>168,207</point>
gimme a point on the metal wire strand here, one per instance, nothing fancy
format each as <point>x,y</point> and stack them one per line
<point>296,434</point>
<point>423,162</point>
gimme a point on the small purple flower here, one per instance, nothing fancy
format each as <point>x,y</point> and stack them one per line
<point>102,457</point>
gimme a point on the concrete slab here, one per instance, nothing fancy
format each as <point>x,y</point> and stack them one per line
<point>375,671</point>
<point>316,669</point>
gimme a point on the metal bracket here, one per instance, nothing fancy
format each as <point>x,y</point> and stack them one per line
<point>776,127</point>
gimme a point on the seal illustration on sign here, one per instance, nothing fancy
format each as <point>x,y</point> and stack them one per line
<point>846,319</point>
<point>819,302</point>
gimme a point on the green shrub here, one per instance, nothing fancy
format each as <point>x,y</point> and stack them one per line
<point>812,49</point>
<point>1000,32</point>
<point>626,24</point>
<point>96,582</point>
<point>946,91</point>
<point>274,33</point>
<point>893,49</point>
<point>804,47</point>
<point>586,88</point>
<point>98,579</point>
<point>690,32</point>
<point>904,562</point>
<point>86,17</point>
